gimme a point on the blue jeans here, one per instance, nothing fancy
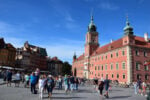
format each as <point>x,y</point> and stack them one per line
<point>76,86</point>
<point>71,86</point>
<point>60,85</point>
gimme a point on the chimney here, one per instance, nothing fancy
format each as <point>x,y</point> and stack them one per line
<point>111,41</point>
<point>146,37</point>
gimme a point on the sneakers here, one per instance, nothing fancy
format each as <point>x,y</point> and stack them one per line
<point>106,96</point>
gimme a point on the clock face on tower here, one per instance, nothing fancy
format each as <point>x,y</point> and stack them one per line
<point>93,39</point>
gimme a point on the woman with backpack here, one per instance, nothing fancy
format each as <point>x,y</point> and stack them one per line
<point>50,85</point>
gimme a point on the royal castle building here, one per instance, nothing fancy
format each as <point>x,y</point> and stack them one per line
<point>121,60</point>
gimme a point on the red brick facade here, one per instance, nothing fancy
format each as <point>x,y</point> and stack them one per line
<point>121,60</point>
<point>7,54</point>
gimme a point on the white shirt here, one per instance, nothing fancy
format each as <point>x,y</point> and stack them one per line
<point>18,76</point>
<point>41,82</point>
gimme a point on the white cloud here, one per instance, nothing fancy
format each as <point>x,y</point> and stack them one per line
<point>108,6</point>
<point>65,49</point>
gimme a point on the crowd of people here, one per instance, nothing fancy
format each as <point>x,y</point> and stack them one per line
<point>140,88</point>
<point>40,83</point>
<point>45,83</point>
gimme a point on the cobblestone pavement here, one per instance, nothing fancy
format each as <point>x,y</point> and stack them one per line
<point>84,93</point>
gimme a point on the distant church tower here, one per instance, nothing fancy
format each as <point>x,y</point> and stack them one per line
<point>91,39</point>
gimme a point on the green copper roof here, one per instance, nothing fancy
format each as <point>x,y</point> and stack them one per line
<point>92,26</point>
<point>128,30</point>
<point>127,25</point>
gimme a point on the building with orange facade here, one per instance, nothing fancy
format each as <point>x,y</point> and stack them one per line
<point>123,59</point>
<point>7,54</point>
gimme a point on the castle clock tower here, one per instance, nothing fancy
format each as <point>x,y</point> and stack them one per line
<point>91,45</point>
<point>91,39</point>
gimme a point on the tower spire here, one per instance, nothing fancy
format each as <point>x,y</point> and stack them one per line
<point>92,19</point>
<point>128,30</point>
<point>92,26</point>
<point>74,56</point>
<point>127,21</point>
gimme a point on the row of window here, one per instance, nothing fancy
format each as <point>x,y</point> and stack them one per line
<point>138,76</point>
<point>138,67</point>
<point>117,54</point>
<point>137,53</point>
<point>112,76</point>
<point>111,56</point>
<point>111,66</point>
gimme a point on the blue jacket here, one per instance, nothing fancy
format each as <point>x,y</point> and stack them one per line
<point>33,79</point>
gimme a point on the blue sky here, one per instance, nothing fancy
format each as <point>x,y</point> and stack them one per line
<point>60,26</point>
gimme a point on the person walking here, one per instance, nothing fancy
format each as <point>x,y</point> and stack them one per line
<point>60,83</point>
<point>71,83</point>
<point>41,86</point>
<point>135,87</point>
<point>50,85</point>
<point>66,83</point>
<point>26,77</point>
<point>33,83</point>
<point>18,79</point>
<point>106,83</point>
<point>76,83</point>
<point>139,85</point>
<point>8,77</point>
<point>144,89</point>
<point>45,82</point>
<point>101,87</point>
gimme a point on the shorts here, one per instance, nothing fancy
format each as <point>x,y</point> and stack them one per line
<point>49,89</point>
<point>17,81</point>
<point>8,79</point>
<point>106,88</point>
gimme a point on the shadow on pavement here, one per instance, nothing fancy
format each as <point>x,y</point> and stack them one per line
<point>59,93</point>
<point>85,91</point>
<point>119,97</point>
<point>117,90</point>
<point>65,98</point>
<point>68,98</point>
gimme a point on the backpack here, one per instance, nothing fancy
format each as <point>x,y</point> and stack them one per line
<point>50,83</point>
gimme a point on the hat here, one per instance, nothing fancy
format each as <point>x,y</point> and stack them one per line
<point>49,75</point>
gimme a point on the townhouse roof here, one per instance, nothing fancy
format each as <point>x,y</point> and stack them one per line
<point>81,57</point>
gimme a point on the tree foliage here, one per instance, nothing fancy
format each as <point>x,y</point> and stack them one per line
<point>66,69</point>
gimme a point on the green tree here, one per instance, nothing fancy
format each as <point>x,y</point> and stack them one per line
<point>66,69</point>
